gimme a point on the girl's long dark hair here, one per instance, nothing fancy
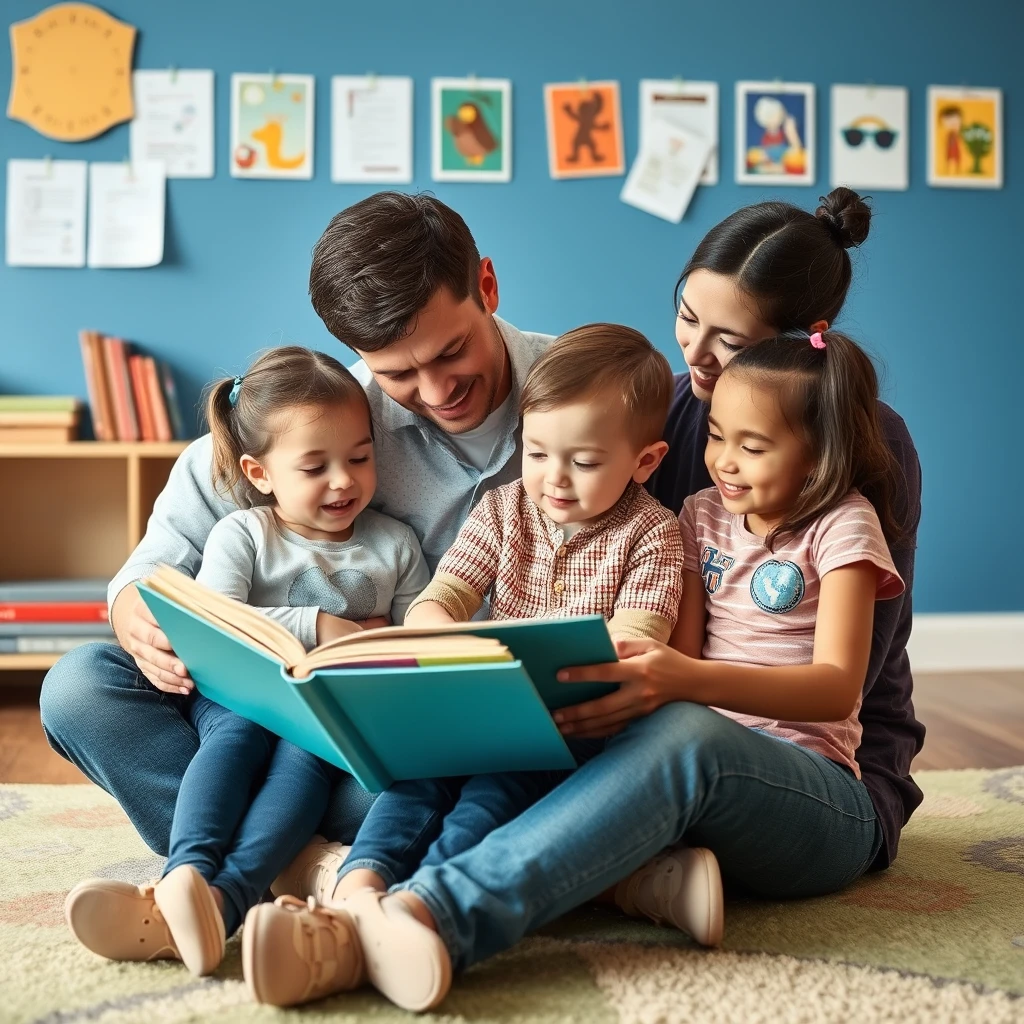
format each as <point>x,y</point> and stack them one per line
<point>830,395</point>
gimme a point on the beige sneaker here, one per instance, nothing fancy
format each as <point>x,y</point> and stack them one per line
<point>314,872</point>
<point>405,960</point>
<point>188,907</point>
<point>681,886</point>
<point>119,921</point>
<point>295,951</point>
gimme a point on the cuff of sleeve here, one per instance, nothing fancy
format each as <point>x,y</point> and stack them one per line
<point>306,632</point>
<point>128,575</point>
<point>454,595</point>
<point>642,625</point>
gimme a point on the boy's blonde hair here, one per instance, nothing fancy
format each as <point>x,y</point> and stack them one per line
<point>599,358</point>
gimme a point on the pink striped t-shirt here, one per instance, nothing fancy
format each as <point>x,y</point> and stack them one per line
<point>762,606</point>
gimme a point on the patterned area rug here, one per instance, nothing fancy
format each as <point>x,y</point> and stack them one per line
<point>939,937</point>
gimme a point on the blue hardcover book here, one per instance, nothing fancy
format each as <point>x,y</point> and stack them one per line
<point>383,724</point>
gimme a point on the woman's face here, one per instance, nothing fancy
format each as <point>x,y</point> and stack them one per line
<point>714,321</point>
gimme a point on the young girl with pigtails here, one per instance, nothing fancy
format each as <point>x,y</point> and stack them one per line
<point>292,439</point>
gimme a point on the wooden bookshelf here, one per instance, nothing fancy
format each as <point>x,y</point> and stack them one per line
<point>76,509</point>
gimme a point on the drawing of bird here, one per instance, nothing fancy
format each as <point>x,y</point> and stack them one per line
<point>473,139</point>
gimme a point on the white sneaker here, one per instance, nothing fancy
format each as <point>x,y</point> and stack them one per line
<point>314,872</point>
<point>683,887</point>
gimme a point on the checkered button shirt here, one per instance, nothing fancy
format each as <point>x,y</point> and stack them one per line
<point>631,558</point>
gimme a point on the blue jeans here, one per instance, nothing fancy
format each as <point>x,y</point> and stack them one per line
<point>99,712</point>
<point>247,804</point>
<point>783,822</point>
<point>422,822</point>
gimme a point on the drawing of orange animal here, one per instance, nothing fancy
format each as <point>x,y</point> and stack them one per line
<point>271,136</point>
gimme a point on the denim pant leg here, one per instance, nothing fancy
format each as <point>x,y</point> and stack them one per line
<point>346,810</point>
<point>485,803</point>
<point>400,827</point>
<point>217,788</point>
<point>783,821</point>
<point>101,714</point>
<point>279,822</point>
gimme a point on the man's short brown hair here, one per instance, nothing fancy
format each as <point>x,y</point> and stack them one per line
<point>604,359</point>
<point>382,260</point>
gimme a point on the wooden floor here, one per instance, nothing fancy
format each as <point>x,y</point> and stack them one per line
<point>973,721</point>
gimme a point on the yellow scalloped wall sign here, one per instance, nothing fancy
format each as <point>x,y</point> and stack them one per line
<point>71,72</point>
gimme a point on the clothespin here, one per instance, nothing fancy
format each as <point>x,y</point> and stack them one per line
<point>273,79</point>
<point>129,176</point>
<point>471,77</point>
<point>777,82</point>
<point>48,165</point>
<point>581,84</point>
<point>871,89</point>
<point>174,74</point>
<point>371,80</point>
<point>679,82</point>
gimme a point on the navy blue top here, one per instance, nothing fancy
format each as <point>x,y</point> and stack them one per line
<point>892,735</point>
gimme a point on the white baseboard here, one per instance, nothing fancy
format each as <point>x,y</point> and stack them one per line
<point>964,643</point>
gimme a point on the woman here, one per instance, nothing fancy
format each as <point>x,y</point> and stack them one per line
<point>674,770</point>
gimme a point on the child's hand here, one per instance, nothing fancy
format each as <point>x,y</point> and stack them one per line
<point>376,623</point>
<point>331,627</point>
<point>428,613</point>
<point>650,674</point>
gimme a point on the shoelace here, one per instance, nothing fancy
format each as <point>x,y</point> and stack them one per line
<point>322,966</point>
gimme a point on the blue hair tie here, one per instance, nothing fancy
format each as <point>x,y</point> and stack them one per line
<point>235,392</point>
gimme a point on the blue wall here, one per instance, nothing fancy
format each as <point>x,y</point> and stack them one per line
<point>934,284</point>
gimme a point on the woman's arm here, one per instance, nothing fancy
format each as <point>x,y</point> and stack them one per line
<point>652,674</point>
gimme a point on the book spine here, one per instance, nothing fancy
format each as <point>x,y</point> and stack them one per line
<point>124,407</point>
<point>171,398</point>
<point>91,385</point>
<point>49,644</point>
<point>53,611</point>
<point>137,369</point>
<point>106,428</point>
<point>38,419</point>
<point>160,417</point>
<point>37,435</point>
<point>91,629</point>
<point>57,591</point>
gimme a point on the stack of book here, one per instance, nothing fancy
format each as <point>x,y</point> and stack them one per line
<point>39,418</point>
<point>131,396</point>
<point>52,616</point>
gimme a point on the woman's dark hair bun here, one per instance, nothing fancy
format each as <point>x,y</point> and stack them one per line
<point>846,216</point>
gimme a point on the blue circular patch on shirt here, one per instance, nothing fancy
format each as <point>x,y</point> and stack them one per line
<point>777,587</point>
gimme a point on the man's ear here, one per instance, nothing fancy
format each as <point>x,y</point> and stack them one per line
<point>487,284</point>
<point>256,474</point>
<point>648,460</point>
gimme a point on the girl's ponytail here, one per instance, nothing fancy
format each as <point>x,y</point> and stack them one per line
<point>227,451</point>
<point>827,384</point>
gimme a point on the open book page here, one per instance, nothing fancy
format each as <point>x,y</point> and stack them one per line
<point>405,652</point>
<point>233,616</point>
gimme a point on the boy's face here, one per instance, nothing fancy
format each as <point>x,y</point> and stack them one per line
<point>321,469</point>
<point>578,459</point>
<point>452,369</point>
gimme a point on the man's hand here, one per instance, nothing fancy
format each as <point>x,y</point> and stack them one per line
<point>138,633</point>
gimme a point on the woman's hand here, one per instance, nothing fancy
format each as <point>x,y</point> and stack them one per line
<point>138,633</point>
<point>650,674</point>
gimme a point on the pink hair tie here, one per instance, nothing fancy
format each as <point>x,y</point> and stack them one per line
<point>816,340</point>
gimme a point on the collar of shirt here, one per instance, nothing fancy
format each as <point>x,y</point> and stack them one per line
<point>621,512</point>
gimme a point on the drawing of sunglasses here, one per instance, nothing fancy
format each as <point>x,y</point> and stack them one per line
<point>861,128</point>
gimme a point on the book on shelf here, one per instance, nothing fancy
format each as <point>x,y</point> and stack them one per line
<point>394,703</point>
<point>38,418</point>
<point>53,611</point>
<point>48,644</point>
<point>131,397</point>
<point>26,591</point>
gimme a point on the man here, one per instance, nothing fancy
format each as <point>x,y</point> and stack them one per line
<point>398,279</point>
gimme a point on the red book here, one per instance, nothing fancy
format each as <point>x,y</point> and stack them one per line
<point>140,388</point>
<point>116,360</point>
<point>53,611</point>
